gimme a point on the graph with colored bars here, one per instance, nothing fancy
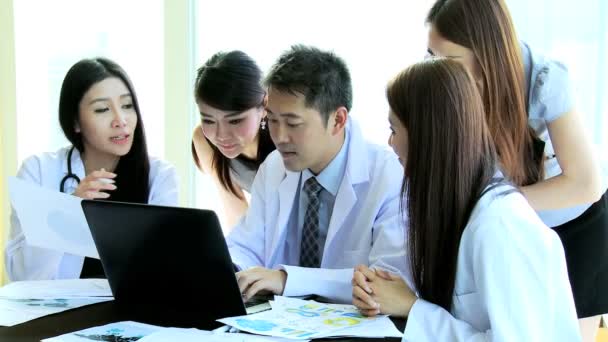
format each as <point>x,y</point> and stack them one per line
<point>300,319</point>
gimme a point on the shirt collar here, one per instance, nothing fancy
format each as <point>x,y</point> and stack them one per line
<point>331,177</point>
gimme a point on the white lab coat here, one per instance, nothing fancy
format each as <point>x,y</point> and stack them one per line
<point>365,228</point>
<point>25,262</point>
<point>511,281</point>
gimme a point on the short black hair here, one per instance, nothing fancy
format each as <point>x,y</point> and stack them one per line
<point>321,76</point>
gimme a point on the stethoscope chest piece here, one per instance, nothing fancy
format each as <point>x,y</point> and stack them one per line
<point>70,174</point>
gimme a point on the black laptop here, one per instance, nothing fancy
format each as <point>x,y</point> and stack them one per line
<point>165,265</point>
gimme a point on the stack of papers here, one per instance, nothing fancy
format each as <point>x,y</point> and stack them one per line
<point>24,301</point>
<point>305,319</point>
<point>133,331</point>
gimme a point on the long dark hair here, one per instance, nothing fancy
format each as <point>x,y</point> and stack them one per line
<point>232,81</point>
<point>133,169</point>
<point>485,27</point>
<point>450,161</point>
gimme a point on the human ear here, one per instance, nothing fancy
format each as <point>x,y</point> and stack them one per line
<point>340,117</point>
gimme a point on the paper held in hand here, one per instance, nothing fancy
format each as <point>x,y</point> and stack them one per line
<point>51,219</point>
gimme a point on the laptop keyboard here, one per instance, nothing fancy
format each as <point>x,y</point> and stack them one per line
<point>258,303</point>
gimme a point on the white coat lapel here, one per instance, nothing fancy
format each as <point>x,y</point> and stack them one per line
<point>287,192</point>
<point>357,171</point>
<point>345,201</point>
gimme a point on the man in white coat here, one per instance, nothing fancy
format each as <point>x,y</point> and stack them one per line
<point>325,200</point>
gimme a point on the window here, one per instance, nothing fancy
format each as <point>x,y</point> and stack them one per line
<point>381,39</point>
<point>50,36</point>
<point>576,34</point>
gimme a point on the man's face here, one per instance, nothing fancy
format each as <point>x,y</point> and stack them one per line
<point>298,132</point>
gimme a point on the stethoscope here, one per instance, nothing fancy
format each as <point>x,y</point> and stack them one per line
<point>70,175</point>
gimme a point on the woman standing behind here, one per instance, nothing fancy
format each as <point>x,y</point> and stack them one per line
<point>232,140</point>
<point>484,266</point>
<point>530,109</point>
<point>99,114</point>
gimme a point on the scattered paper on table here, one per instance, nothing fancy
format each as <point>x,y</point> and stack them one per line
<point>23,301</point>
<point>300,319</point>
<point>195,335</point>
<point>63,288</point>
<point>122,331</point>
<point>133,331</point>
<point>15,311</point>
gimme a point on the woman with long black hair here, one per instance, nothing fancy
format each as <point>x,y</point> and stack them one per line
<point>108,159</point>
<point>232,140</point>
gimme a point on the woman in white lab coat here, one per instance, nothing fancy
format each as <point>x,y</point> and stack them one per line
<point>108,159</point>
<point>484,266</point>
